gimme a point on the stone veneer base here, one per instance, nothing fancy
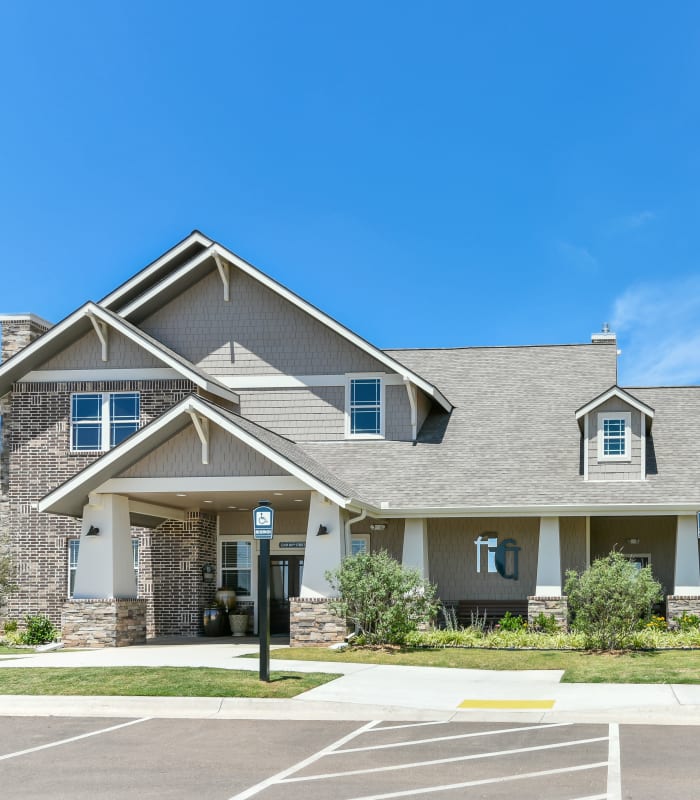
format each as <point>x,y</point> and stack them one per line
<point>677,604</point>
<point>312,623</point>
<point>103,623</point>
<point>557,607</point>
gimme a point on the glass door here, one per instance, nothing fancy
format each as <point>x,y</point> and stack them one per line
<point>285,581</point>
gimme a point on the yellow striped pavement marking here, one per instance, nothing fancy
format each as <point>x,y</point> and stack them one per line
<point>507,704</point>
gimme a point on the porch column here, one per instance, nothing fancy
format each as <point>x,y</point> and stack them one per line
<point>548,559</point>
<point>105,566</point>
<point>687,572</point>
<point>415,546</point>
<point>324,552</point>
<point>548,598</point>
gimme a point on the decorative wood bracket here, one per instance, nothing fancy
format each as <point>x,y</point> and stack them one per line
<point>225,274</point>
<point>102,332</point>
<point>201,425</point>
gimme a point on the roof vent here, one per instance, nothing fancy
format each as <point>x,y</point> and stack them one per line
<point>606,336</point>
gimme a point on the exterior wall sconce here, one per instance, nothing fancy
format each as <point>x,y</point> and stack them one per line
<point>208,573</point>
<point>93,531</point>
<point>322,530</point>
<point>377,526</point>
<point>632,541</point>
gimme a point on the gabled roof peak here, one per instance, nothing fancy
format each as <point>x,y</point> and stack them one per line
<point>615,391</point>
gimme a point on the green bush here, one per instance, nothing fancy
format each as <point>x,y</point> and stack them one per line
<point>509,622</point>
<point>608,600</point>
<point>380,598</point>
<point>40,630</point>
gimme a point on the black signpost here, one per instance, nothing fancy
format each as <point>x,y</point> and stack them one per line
<point>263,521</point>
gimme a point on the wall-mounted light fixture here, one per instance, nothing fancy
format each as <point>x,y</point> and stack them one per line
<point>208,573</point>
<point>322,530</point>
<point>632,541</point>
<point>377,526</point>
<point>93,531</point>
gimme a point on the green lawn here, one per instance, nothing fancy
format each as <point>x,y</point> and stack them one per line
<point>156,682</point>
<point>4,650</point>
<point>659,666</point>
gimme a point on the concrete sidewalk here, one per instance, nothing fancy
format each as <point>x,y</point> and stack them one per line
<point>364,691</point>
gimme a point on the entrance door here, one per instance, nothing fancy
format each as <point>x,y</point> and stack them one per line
<point>285,582</point>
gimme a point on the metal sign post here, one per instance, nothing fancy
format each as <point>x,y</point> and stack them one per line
<point>263,521</point>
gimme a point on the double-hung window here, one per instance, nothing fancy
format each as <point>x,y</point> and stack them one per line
<point>614,439</point>
<point>101,420</point>
<point>365,407</point>
<point>236,566</point>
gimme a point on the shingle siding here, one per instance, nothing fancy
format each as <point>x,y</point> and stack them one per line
<point>310,414</point>
<point>256,332</point>
<point>86,353</point>
<point>181,456</point>
<point>615,470</point>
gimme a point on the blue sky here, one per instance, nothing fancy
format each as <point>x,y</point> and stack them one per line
<point>430,174</point>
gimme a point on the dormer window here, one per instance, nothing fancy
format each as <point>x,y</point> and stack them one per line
<point>614,436</point>
<point>364,407</point>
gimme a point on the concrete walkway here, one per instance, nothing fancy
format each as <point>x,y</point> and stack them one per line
<point>364,691</point>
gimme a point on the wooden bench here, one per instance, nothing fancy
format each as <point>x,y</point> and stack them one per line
<point>468,610</point>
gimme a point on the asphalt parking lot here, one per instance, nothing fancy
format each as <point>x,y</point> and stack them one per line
<point>237,759</point>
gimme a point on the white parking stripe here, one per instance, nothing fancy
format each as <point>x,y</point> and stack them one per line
<point>451,760</point>
<point>484,782</point>
<point>73,738</point>
<point>410,725</point>
<point>448,738</point>
<point>614,769</point>
<point>301,764</point>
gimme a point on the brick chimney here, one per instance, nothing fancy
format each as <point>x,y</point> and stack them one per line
<point>19,330</point>
<point>606,336</point>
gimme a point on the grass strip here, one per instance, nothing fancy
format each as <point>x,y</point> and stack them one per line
<point>656,666</point>
<point>156,682</point>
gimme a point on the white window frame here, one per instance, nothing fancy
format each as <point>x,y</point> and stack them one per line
<point>626,416</point>
<point>219,563</point>
<point>634,556</point>
<point>105,420</point>
<point>359,538</point>
<point>349,378</point>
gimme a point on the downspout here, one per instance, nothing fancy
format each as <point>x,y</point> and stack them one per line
<point>348,532</point>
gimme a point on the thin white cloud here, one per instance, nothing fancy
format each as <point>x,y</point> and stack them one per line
<point>631,222</point>
<point>658,328</point>
<point>576,256</point>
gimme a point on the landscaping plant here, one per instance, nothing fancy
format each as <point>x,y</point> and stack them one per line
<point>609,599</point>
<point>382,599</point>
<point>40,630</point>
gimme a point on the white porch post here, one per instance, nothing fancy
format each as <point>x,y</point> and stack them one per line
<point>687,573</point>
<point>105,566</point>
<point>415,546</point>
<point>548,559</point>
<point>323,552</point>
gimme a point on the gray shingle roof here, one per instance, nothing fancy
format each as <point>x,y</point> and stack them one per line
<point>513,440</point>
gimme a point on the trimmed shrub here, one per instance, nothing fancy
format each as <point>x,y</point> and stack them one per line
<point>382,599</point>
<point>40,630</point>
<point>609,599</point>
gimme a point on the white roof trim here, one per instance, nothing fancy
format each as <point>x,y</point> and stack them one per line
<point>183,409</point>
<point>218,250</point>
<point>194,238</point>
<point>615,391</point>
<point>131,333</point>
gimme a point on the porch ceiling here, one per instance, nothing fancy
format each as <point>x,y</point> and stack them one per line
<point>215,502</point>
